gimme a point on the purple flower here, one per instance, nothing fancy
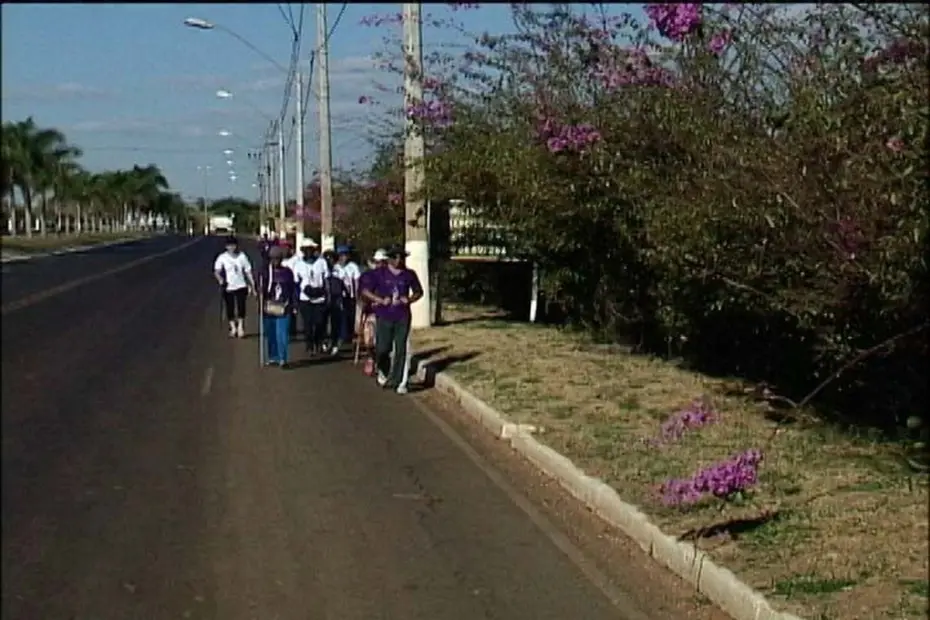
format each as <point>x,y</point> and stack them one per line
<point>719,42</point>
<point>723,480</point>
<point>698,414</point>
<point>574,138</point>
<point>435,112</point>
<point>675,21</point>
<point>395,198</point>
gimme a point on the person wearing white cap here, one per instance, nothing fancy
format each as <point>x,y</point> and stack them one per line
<point>311,272</point>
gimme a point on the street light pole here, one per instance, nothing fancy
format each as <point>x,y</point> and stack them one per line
<point>327,241</point>
<point>299,173</point>
<point>415,231</point>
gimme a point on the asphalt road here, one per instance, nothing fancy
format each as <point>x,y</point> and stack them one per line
<point>152,470</point>
<point>27,277</point>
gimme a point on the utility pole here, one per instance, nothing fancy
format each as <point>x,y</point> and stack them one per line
<point>417,245</point>
<point>205,171</point>
<point>269,176</point>
<point>299,107</point>
<point>327,242</point>
<point>282,207</point>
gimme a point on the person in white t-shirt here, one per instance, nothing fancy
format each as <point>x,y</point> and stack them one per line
<point>233,271</point>
<point>311,272</point>
<point>347,270</point>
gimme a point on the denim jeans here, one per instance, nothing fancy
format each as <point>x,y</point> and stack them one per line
<point>277,336</point>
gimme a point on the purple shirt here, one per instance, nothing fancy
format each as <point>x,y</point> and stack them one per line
<point>383,283</point>
<point>277,284</point>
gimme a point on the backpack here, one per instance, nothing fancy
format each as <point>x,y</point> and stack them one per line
<point>335,291</point>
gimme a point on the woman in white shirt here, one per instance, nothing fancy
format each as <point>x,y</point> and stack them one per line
<point>233,271</point>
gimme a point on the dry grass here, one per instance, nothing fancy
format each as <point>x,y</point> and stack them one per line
<point>56,242</point>
<point>849,535</point>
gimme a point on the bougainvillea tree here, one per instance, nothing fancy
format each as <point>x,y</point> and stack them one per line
<point>742,184</point>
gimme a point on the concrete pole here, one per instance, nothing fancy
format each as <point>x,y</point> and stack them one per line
<point>327,241</point>
<point>282,199</point>
<point>417,245</point>
<point>299,173</point>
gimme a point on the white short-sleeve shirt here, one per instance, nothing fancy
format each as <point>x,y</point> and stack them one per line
<point>313,275</point>
<point>235,269</point>
<point>349,274</point>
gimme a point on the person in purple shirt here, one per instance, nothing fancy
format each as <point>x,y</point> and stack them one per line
<point>390,290</point>
<point>278,302</point>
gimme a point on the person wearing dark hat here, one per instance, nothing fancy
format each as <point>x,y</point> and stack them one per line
<point>391,290</point>
<point>233,272</point>
<point>347,270</point>
<point>278,300</point>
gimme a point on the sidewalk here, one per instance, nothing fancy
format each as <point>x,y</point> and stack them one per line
<point>837,526</point>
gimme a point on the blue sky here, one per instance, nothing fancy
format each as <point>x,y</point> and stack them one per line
<point>130,84</point>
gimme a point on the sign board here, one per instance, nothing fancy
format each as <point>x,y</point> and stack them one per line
<point>458,233</point>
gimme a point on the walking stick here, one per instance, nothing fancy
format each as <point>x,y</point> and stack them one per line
<point>261,329</point>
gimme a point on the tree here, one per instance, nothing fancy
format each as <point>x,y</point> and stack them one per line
<point>40,163</point>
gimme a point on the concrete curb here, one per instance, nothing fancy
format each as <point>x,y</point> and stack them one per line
<point>694,566</point>
<point>73,250</point>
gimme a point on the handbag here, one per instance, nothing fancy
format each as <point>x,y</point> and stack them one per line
<point>275,308</point>
<point>272,307</point>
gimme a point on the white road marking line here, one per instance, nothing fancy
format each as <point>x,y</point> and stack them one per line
<point>63,288</point>
<point>207,382</point>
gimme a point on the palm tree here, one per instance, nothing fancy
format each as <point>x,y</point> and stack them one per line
<point>34,153</point>
<point>145,186</point>
<point>39,162</point>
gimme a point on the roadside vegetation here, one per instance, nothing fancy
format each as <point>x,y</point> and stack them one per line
<point>729,207</point>
<point>46,192</point>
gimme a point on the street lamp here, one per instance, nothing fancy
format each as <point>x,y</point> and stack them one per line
<point>200,24</point>
<point>226,94</point>
<point>224,133</point>
<point>227,152</point>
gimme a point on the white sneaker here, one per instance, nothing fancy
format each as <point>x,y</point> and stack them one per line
<point>401,389</point>
<point>382,379</point>
<point>240,332</point>
<point>232,332</point>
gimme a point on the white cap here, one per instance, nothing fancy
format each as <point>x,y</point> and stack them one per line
<point>380,255</point>
<point>308,243</point>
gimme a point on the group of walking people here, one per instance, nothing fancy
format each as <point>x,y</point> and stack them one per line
<point>339,303</point>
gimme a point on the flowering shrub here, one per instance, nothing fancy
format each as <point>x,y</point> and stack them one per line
<point>726,480</point>
<point>751,193</point>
